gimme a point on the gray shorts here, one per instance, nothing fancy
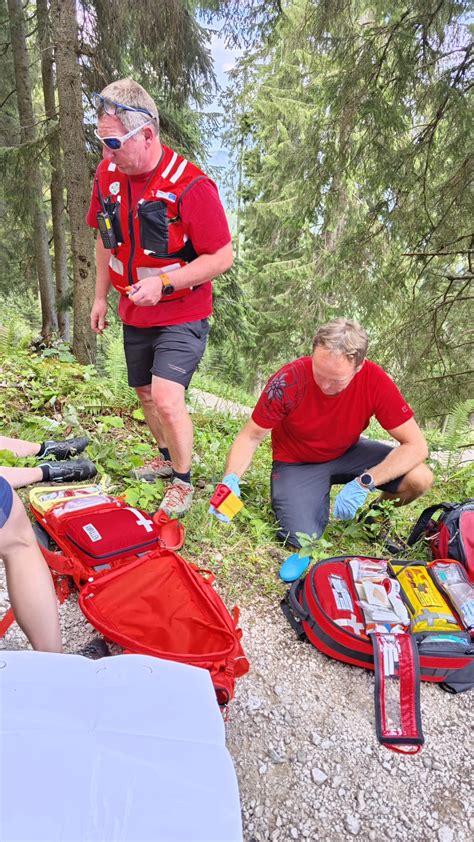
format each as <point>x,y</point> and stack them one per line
<point>300,490</point>
<point>6,501</point>
<point>172,352</point>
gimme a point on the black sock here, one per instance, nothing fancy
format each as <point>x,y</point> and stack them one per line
<point>45,472</point>
<point>165,453</point>
<point>41,450</point>
<point>183,477</point>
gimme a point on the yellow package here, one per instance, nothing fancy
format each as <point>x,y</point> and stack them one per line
<point>45,497</point>
<point>428,609</point>
<point>230,506</point>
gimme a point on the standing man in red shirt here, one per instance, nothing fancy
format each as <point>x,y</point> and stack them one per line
<point>163,237</point>
<point>317,407</point>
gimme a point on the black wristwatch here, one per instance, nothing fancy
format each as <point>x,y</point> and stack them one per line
<point>367,481</point>
<point>167,289</point>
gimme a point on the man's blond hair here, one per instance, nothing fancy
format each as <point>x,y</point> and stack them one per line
<point>129,92</point>
<point>343,336</point>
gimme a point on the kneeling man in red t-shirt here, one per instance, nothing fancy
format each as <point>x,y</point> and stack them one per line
<point>316,408</point>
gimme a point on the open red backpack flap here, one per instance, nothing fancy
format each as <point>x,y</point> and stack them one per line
<point>397,692</point>
<point>351,608</point>
<point>163,606</point>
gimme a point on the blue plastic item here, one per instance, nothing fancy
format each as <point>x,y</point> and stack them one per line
<point>293,567</point>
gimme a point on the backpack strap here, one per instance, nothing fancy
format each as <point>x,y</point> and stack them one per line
<point>292,610</point>
<point>7,620</point>
<point>397,692</point>
<point>424,520</point>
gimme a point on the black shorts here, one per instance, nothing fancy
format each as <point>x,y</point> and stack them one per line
<point>172,352</point>
<point>300,491</point>
<point>6,501</point>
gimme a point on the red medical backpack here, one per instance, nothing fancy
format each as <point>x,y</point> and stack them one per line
<point>323,608</point>
<point>135,589</point>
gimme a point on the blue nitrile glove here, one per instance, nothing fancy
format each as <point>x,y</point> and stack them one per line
<point>349,500</point>
<point>231,481</point>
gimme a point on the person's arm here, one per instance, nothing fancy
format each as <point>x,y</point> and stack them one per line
<point>412,452</point>
<point>102,286</point>
<point>244,446</point>
<point>203,268</point>
<point>239,459</point>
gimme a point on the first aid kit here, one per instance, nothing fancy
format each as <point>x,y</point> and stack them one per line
<point>390,617</point>
<point>133,585</point>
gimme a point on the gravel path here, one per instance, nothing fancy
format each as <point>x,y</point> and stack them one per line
<point>301,733</point>
<point>206,400</point>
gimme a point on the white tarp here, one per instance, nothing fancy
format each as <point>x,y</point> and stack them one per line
<point>124,749</point>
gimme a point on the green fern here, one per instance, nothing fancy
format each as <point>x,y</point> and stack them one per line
<point>116,370</point>
<point>12,333</point>
<point>458,435</point>
<point>458,432</point>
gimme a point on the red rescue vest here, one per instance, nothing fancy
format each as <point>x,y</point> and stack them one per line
<point>150,234</point>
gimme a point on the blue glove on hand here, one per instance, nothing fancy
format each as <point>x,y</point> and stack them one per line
<point>231,481</point>
<point>349,500</point>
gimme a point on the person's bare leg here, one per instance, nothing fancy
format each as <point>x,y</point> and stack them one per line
<point>413,485</point>
<point>18,477</point>
<point>29,582</point>
<point>151,415</point>
<point>175,421</point>
<point>19,447</point>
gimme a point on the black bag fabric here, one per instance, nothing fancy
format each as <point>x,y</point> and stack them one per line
<point>451,535</point>
<point>460,681</point>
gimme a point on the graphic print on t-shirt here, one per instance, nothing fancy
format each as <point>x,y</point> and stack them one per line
<point>283,393</point>
<point>276,388</point>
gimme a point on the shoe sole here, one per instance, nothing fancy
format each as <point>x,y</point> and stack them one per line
<point>173,513</point>
<point>151,476</point>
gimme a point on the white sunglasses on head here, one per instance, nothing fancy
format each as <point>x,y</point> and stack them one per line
<point>116,143</point>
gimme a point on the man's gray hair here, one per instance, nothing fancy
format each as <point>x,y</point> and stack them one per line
<point>343,336</point>
<point>129,92</point>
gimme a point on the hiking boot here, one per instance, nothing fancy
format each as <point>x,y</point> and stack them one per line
<point>64,449</point>
<point>158,468</point>
<point>95,649</point>
<point>178,498</point>
<point>74,471</point>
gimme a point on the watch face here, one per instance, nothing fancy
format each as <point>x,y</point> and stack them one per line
<point>366,479</point>
<point>168,289</point>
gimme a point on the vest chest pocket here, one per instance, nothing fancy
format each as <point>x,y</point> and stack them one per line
<point>153,222</point>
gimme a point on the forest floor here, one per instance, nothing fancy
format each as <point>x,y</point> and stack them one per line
<point>301,729</point>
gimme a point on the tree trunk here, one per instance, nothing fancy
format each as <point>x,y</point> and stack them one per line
<point>33,181</point>
<point>57,187</point>
<point>73,142</point>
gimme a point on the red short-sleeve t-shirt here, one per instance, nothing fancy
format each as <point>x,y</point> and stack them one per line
<point>309,426</point>
<point>205,223</point>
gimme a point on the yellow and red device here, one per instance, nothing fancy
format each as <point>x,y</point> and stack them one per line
<point>225,501</point>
